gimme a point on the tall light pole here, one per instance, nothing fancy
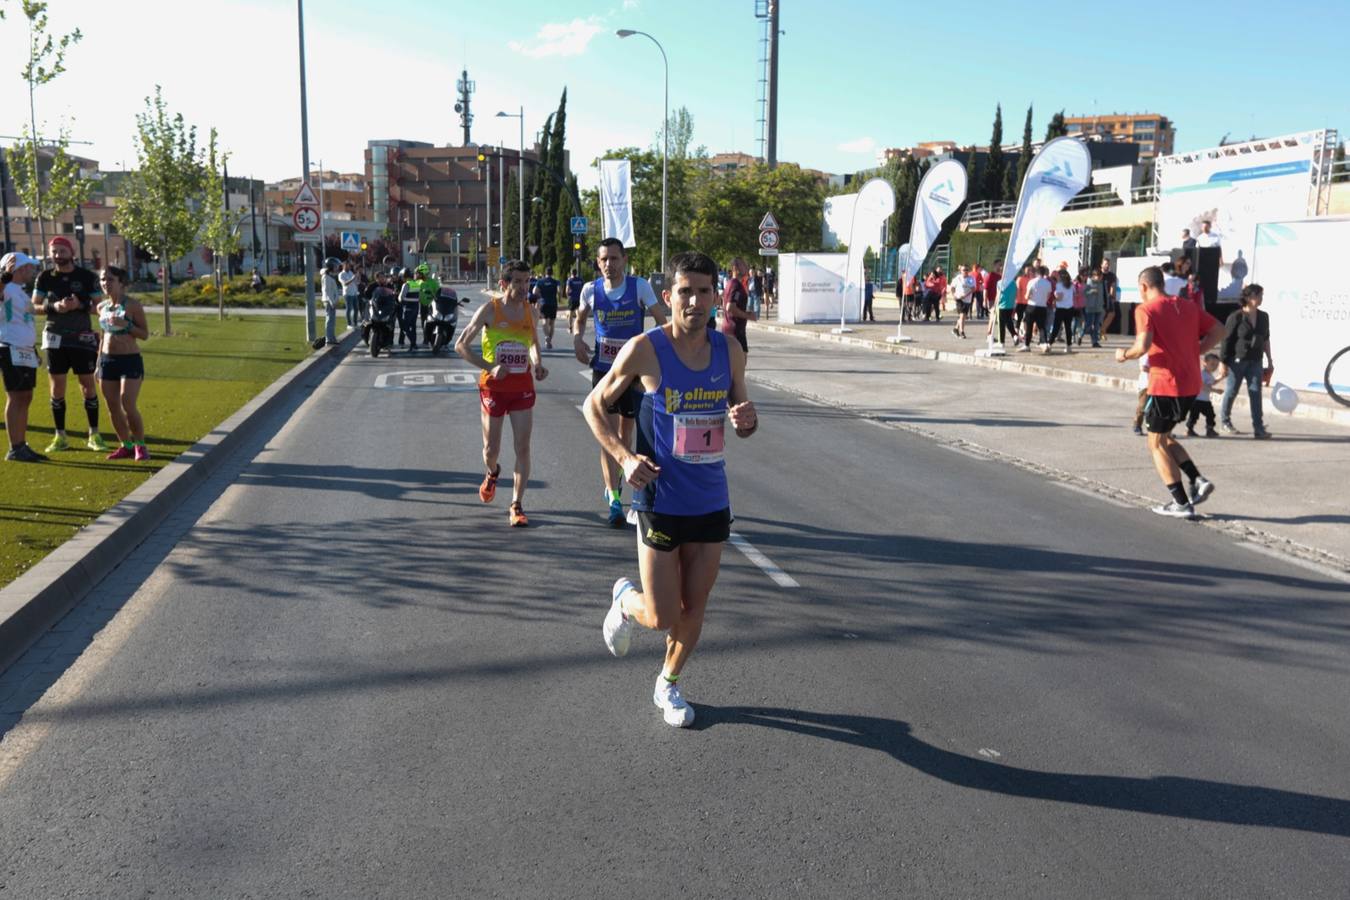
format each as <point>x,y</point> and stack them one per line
<point>311,329</point>
<point>665,134</point>
<point>417,233</point>
<point>485,161</point>
<point>520,174</point>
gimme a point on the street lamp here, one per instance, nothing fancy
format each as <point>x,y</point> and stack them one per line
<point>665,133</point>
<point>520,173</point>
<point>417,230</point>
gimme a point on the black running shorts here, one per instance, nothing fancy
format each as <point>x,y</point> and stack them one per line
<point>1162,414</point>
<point>61,360</point>
<point>629,403</point>
<point>17,378</point>
<point>126,365</point>
<point>662,532</point>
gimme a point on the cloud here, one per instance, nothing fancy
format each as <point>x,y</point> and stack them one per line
<point>630,4</point>
<point>560,39</point>
<point>861,145</point>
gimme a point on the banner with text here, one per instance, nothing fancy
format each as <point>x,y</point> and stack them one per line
<point>810,285</point>
<point>1309,312</point>
<point>1055,176</point>
<point>616,201</point>
<point>941,193</point>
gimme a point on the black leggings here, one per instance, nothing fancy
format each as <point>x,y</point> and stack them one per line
<point>1005,324</point>
<point>1064,320</point>
<point>1035,319</point>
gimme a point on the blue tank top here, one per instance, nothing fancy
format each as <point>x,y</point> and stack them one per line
<point>681,427</point>
<point>616,321</point>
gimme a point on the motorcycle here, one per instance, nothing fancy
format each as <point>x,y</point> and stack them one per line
<point>380,328</point>
<point>441,319</point>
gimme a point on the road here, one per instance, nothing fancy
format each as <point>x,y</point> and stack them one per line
<point>343,676</point>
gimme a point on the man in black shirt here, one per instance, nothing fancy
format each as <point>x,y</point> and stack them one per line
<point>574,286</point>
<point>546,293</point>
<point>67,296</point>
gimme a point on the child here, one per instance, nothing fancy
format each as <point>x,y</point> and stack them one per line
<point>1142,384</point>
<point>1211,371</point>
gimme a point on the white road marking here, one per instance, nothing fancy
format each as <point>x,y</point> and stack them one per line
<point>581,409</point>
<point>780,578</point>
<point>585,373</point>
<point>1087,492</point>
<point>992,754</point>
<point>1326,571</point>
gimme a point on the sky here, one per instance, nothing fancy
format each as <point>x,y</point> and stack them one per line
<point>855,75</point>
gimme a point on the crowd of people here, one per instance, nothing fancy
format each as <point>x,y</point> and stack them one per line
<point>92,329</point>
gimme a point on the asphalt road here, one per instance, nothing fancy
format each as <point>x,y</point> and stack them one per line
<point>349,678</point>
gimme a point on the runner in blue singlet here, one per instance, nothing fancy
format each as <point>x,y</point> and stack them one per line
<point>693,383</point>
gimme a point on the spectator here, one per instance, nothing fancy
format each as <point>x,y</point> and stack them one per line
<point>735,303</point>
<point>121,369</point>
<point>257,282</point>
<point>351,293</point>
<point>754,289</point>
<point>1173,284</point>
<point>990,287</point>
<point>1020,310</point>
<point>1039,297</point>
<point>1210,371</point>
<point>18,353</point>
<point>332,296</point>
<point>1187,242</point>
<point>1246,341</point>
<point>1093,307</point>
<point>1110,297</point>
<point>935,289</point>
<point>1079,304</point>
<point>869,293</point>
<point>1063,312</point>
<point>770,288</point>
<point>963,289</point>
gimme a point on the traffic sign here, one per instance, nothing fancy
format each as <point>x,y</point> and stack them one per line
<point>351,240</point>
<point>768,222</point>
<point>763,252</point>
<point>305,196</point>
<point>306,219</point>
<point>768,240</point>
<point>533,248</point>
<point>579,225</point>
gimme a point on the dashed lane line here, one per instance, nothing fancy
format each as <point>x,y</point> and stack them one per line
<point>750,552</point>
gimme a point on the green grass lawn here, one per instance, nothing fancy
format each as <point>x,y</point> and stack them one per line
<point>195,379</point>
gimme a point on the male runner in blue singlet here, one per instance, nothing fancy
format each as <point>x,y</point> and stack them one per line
<point>693,382</point>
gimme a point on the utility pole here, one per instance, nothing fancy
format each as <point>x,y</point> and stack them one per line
<point>225,187</point>
<point>465,87</point>
<point>253,220</point>
<point>4,202</point>
<point>311,329</point>
<point>771,151</point>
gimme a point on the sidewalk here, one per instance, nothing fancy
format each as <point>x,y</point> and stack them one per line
<point>1086,365</point>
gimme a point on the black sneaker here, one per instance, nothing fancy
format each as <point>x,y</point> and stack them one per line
<point>1139,431</point>
<point>24,453</point>
<point>1262,435</point>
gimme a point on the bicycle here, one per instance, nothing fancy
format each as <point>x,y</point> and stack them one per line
<point>1336,378</point>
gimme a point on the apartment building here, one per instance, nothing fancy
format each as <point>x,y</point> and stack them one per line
<point>1155,134</point>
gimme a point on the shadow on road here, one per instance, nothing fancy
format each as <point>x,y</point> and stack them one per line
<point>1165,795</point>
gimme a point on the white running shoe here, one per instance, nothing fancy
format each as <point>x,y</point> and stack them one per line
<point>1176,510</point>
<point>617,629</point>
<point>1201,488</point>
<point>674,709</point>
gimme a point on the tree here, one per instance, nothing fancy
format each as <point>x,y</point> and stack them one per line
<point>161,209</point>
<point>1056,128</point>
<point>46,60</point>
<point>66,187</point>
<point>993,170</point>
<point>218,225</point>
<point>728,211</point>
<point>562,227</point>
<point>973,188</point>
<point>534,211</point>
<point>511,227</point>
<point>555,199</point>
<point>681,128</point>
<point>1023,158</point>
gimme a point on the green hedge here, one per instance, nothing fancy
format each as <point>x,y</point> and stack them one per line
<point>281,291</point>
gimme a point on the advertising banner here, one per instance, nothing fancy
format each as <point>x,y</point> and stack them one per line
<point>1066,247</point>
<point>616,201</point>
<point>810,285</point>
<point>1055,176</point>
<point>1309,312</point>
<point>1235,188</point>
<point>941,193</point>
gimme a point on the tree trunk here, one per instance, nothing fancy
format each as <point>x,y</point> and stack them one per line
<point>220,291</point>
<point>167,264</point>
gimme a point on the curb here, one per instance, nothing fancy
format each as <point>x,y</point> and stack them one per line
<point>37,599</point>
<point>1111,382</point>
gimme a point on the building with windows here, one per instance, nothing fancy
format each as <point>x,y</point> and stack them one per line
<point>1153,133</point>
<point>345,197</point>
<point>422,193</point>
<point>726,163</point>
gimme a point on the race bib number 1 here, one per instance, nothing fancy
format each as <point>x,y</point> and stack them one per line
<point>24,357</point>
<point>515,357</point>
<point>700,438</point>
<point>50,340</point>
<point>609,349</point>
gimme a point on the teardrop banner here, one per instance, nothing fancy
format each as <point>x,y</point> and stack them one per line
<point>1055,176</point>
<point>940,195</point>
<point>874,205</point>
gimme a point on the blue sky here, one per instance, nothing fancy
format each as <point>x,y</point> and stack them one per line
<point>856,75</point>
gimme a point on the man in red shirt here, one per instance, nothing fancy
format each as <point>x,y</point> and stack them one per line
<point>1174,333</point>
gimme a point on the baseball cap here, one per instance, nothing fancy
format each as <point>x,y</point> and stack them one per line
<point>60,241</point>
<point>16,260</point>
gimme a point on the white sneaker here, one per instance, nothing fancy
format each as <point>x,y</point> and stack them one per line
<point>1176,510</point>
<point>617,629</point>
<point>1201,488</point>
<point>674,709</point>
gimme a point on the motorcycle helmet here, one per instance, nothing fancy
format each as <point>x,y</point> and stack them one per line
<point>424,269</point>
<point>332,263</point>
<point>404,274</point>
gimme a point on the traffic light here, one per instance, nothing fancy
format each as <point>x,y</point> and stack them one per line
<point>482,157</point>
<point>576,245</point>
<point>364,246</point>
